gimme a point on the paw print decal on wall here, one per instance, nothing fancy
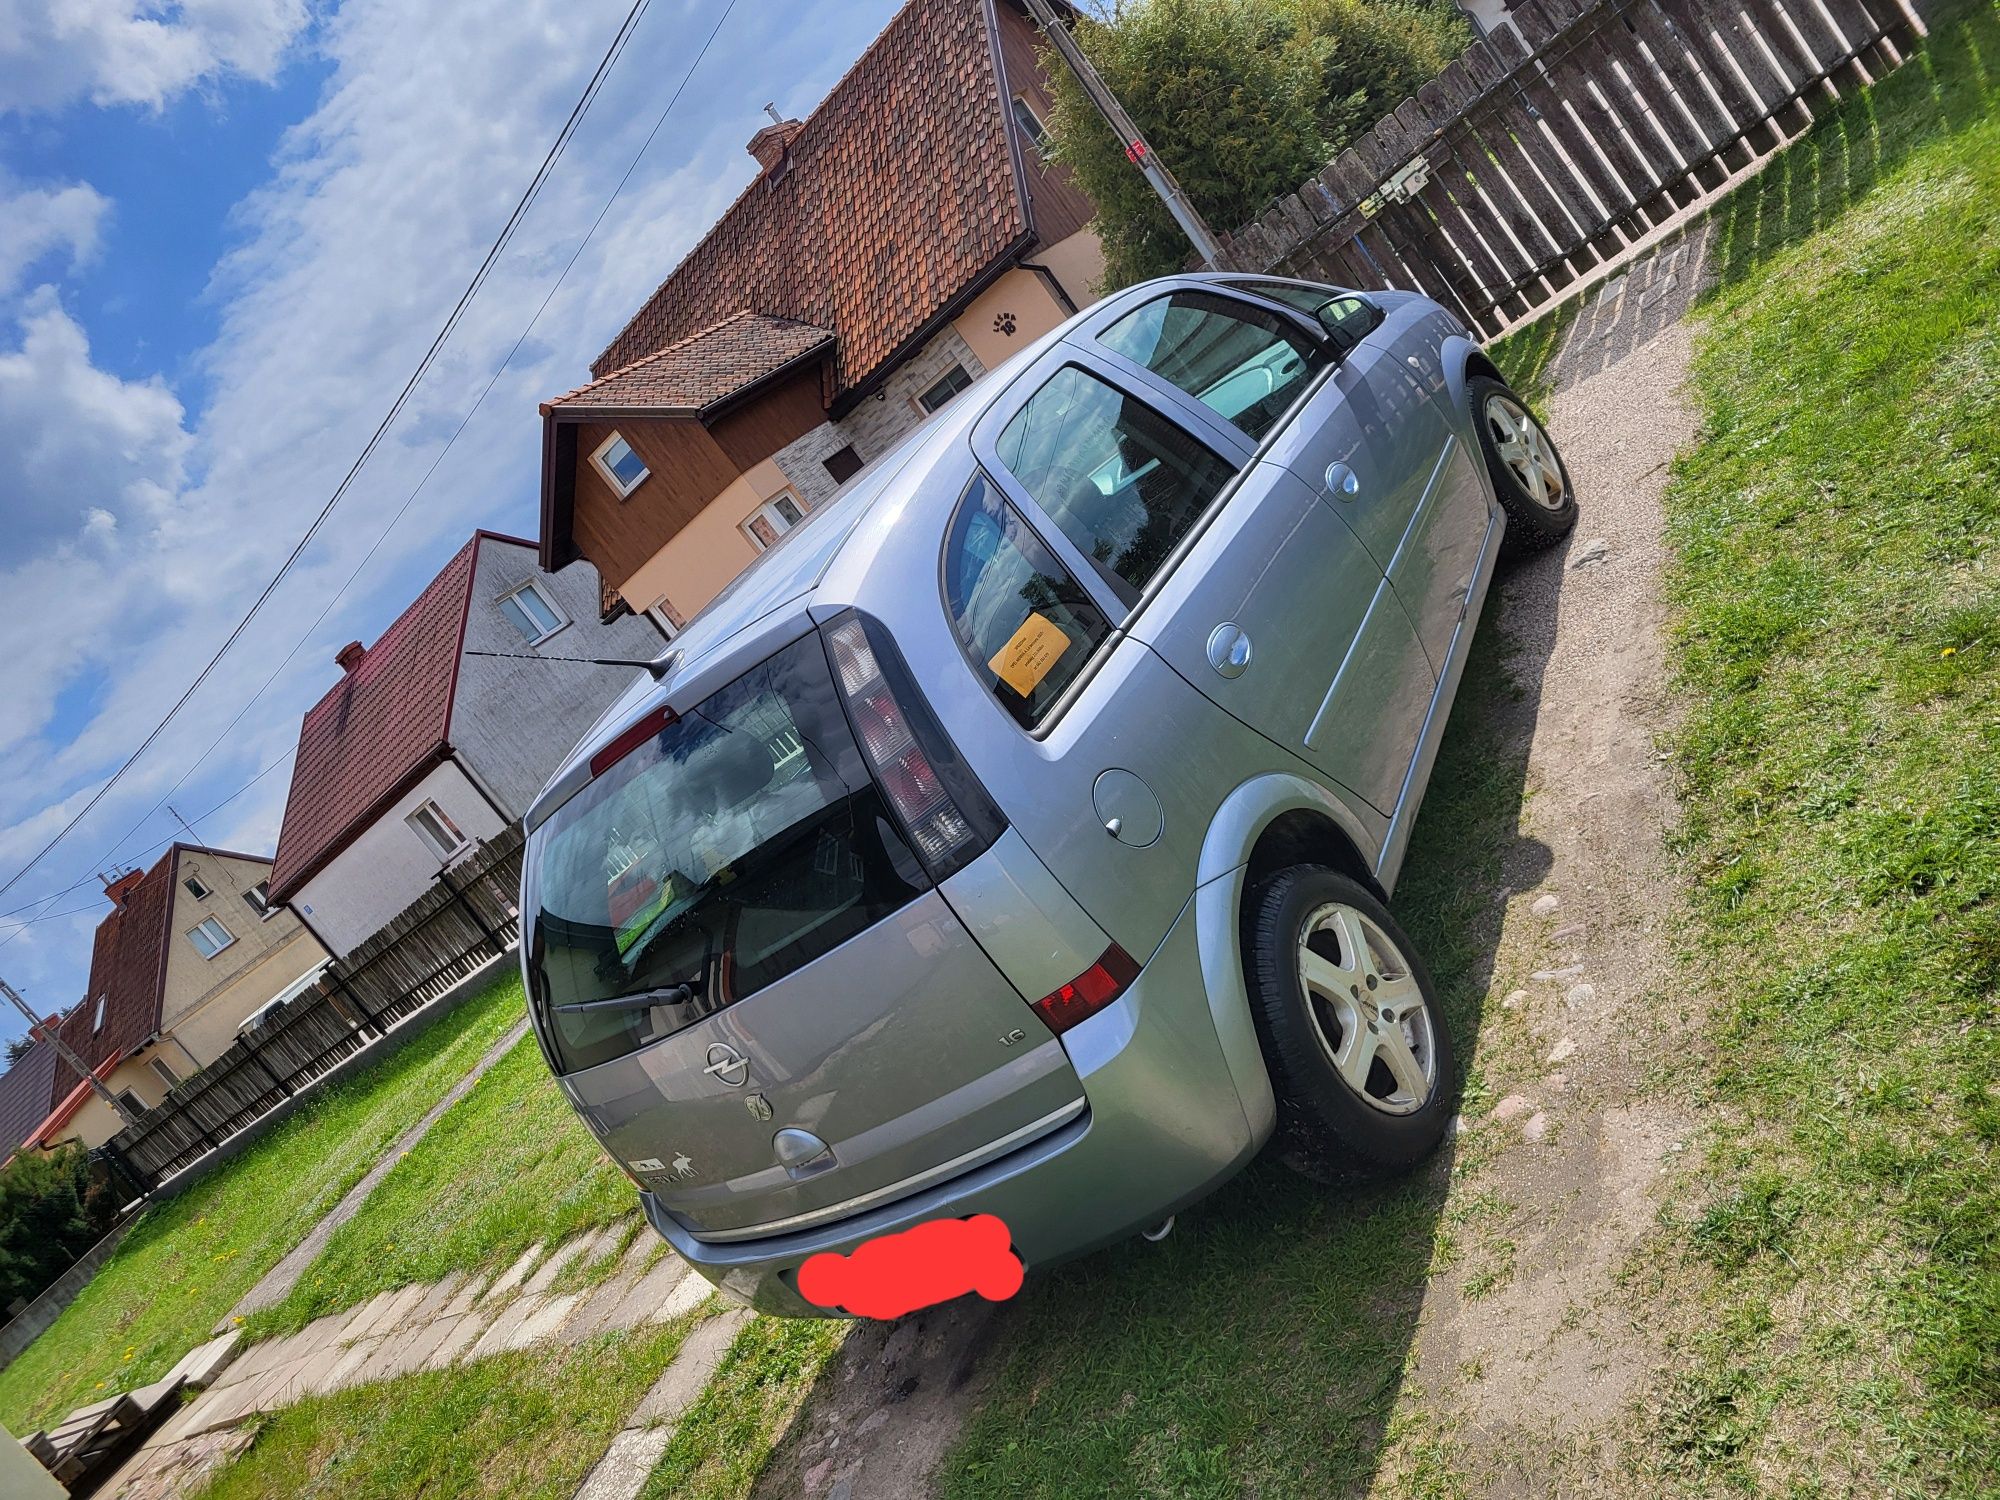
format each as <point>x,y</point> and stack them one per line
<point>1004,323</point>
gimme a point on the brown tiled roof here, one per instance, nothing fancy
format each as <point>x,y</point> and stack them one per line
<point>703,369</point>
<point>127,967</point>
<point>27,1093</point>
<point>384,721</point>
<point>899,194</point>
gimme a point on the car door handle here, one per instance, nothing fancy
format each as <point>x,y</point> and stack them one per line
<point>1342,481</point>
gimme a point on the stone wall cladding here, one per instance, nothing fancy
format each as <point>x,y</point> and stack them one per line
<point>804,463</point>
<point>879,421</point>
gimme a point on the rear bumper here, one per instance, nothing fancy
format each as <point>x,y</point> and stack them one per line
<point>1164,1127</point>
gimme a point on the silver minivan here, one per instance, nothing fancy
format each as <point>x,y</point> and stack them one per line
<point>1016,837</point>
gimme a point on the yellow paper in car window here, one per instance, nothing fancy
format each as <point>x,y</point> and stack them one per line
<point>1028,657</point>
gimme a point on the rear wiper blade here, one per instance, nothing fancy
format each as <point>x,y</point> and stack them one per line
<point>678,994</point>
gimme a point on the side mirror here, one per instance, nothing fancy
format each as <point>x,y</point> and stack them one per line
<point>1347,319</point>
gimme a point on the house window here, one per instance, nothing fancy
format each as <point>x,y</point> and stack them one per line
<point>773,519</point>
<point>134,1105</point>
<point>165,1074</point>
<point>97,1020</point>
<point>258,898</point>
<point>210,936</point>
<point>193,886</point>
<point>622,469</point>
<point>843,465</point>
<point>529,610</point>
<point>1033,131</point>
<point>948,385</point>
<point>436,830</point>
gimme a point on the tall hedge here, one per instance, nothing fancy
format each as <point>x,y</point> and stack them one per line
<point>51,1211</point>
<point>1243,100</point>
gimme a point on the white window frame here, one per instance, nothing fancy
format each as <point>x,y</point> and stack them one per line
<point>133,1102</point>
<point>196,887</point>
<point>660,618</point>
<point>220,926</point>
<point>917,398</point>
<point>618,486</point>
<point>97,1020</point>
<point>443,821</point>
<point>533,586</point>
<point>769,511</point>
<point>258,899</point>
<point>1038,142</point>
<point>163,1072</point>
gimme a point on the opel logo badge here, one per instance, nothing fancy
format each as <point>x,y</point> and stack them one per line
<point>727,1065</point>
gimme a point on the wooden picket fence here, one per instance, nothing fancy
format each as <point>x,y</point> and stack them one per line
<point>1539,157</point>
<point>467,919</point>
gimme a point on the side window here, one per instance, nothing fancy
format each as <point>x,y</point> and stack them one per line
<point>1245,363</point>
<point>1348,316</point>
<point>1026,624</point>
<point>1122,482</point>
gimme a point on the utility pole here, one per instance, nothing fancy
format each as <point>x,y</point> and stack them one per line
<point>54,1039</point>
<point>1137,151</point>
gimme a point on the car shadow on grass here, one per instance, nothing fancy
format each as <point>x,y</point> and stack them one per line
<point>1261,1347</point>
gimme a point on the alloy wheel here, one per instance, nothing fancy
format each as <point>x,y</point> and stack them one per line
<point>1367,1010</point>
<point>1526,450</point>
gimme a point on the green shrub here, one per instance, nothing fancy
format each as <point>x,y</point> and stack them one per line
<point>51,1211</point>
<point>1242,99</point>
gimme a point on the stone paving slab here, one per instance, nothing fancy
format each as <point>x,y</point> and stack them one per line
<point>435,1326</point>
<point>514,1275</point>
<point>626,1465</point>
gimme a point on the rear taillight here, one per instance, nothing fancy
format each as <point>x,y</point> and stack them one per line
<point>648,728</point>
<point>1088,993</point>
<point>946,816</point>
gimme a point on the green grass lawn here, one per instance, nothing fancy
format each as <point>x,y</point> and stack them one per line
<point>190,1259</point>
<point>506,1166</point>
<point>526,1424</point>
<point>1837,589</point>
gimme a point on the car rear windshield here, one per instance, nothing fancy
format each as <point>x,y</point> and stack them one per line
<point>737,845</point>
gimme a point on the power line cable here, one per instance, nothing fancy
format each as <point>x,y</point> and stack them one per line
<point>381,429</point>
<point>658,124</point>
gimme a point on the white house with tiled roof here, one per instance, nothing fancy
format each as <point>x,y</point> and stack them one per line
<point>440,734</point>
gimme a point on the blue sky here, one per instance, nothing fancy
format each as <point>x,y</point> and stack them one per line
<point>228,229</point>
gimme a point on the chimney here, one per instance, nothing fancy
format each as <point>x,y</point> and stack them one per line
<point>773,144</point>
<point>348,657</point>
<point>120,888</point>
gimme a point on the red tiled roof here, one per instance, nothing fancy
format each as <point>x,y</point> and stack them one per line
<point>703,369</point>
<point>27,1090</point>
<point>900,193</point>
<point>383,721</point>
<point>128,968</point>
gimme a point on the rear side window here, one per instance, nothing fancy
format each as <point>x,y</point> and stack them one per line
<point>1026,624</point>
<point>740,843</point>
<point>1242,362</point>
<point>1122,482</point>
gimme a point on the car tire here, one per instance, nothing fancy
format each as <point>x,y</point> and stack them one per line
<point>1348,1103</point>
<point>1529,475</point>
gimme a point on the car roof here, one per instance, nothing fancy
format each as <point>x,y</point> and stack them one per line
<point>823,563</point>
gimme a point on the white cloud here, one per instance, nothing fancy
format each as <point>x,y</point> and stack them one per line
<point>433,117</point>
<point>135,51</point>
<point>42,221</point>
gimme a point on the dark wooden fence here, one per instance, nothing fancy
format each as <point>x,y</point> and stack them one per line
<point>1537,158</point>
<point>467,919</point>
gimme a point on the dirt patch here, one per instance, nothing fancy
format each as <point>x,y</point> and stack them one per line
<point>1531,1348</point>
<point>888,1408</point>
